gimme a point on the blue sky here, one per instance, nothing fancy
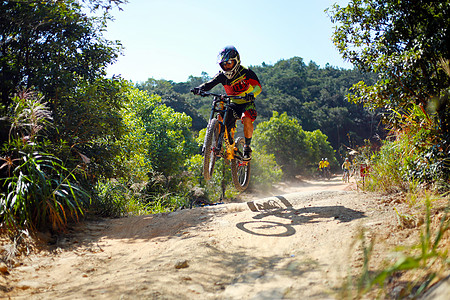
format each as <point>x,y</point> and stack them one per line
<point>173,39</point>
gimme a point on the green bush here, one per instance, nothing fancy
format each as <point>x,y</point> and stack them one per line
<point>264,171</point>
<point>416,156</point>
<point>38,191</point>
<point>295,150</point>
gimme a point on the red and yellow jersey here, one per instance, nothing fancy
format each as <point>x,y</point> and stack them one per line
<point>243,82</point>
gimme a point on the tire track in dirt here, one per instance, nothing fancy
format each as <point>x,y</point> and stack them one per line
<point>285,246</point>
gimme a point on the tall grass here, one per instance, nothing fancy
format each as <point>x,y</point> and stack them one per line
<point>37,190</point>
<point>428,261</point>
<point>414,162</point>
<point>415,157</point>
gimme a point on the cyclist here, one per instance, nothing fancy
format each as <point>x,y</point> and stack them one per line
<point>237,81</point>
<point>326,168</point>
<point>321,167</point>
<point>346,167</point>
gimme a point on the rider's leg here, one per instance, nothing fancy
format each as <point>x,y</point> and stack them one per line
<point>248,118</point>
<point>230,122</point>
<point>248,129</point>
<point>248,133</point>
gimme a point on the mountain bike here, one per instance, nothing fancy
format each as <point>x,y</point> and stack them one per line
<point>219,143</point>
<point>346,176</point>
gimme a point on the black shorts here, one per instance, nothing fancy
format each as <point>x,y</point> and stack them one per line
<point>244,110</point>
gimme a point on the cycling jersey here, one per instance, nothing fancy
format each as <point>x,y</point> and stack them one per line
<point>243,82</point>
<point>346,165</point>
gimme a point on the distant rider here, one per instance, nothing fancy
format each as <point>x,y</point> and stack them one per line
<point>326,165</point>
<point>321,162</point>
<point>346,166</point>
<point>237,81</point>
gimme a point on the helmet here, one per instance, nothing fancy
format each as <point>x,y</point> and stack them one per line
<point>229,53</point>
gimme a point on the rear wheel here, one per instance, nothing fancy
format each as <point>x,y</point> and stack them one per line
<point>209,156</point>
<point>346,176</point>
<point>240,170</point>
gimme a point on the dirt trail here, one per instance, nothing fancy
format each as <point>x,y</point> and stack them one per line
<point>291,245</point>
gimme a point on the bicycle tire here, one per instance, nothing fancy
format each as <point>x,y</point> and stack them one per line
<point>240,170</point>
<point>209,156</point>
<point>346,177</point>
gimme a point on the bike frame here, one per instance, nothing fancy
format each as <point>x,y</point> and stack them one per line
<point>219,110</point>
<point>216,135</point>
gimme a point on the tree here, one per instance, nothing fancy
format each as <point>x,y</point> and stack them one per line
<point>51,46</point>
<point>171,98</point>
<point>403,42</point>
<point>156,138</point>
<point>317,98</point>
<point>54,47</point>
<point>407,44</point>
<point>319,147</point>
<point>89,123</point>
<point>294,149</point>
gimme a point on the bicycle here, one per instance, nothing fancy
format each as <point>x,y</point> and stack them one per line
<point>219,143</point>
<point>346,176</point>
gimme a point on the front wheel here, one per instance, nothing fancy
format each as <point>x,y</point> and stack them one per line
<point>209,155</point>
<point>346,177</point>
<point>240,169</point>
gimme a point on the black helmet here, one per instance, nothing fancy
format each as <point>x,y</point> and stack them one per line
<point>229,53</point>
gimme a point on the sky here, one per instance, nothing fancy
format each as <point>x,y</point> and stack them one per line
<point>175,39</point>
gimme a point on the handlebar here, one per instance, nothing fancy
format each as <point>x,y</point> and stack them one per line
<point>204,94</point>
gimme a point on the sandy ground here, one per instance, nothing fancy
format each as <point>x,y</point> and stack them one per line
<point>297,243</point>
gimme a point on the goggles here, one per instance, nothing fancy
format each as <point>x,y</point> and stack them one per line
<point>227,64</point>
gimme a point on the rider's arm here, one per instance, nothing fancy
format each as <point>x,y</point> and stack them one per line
<point>254,82</point>
<point>256,90</point>
<point>212,83</point>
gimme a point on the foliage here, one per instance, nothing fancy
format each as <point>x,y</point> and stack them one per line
<point>264,171</point>
<point>292,147</point>
<point>318,148</point>
<point>165,140</point>
<point>406,44</point>
<point>167,91</point>
<point>315,96</point>
<point>429,256</point>
<point>37,190</point>
<point>154,145</point>
<point>413,157</point>
<point>401,41</point>
<point>52,46</point>
<point>89,124</point>
<point>40,192</point>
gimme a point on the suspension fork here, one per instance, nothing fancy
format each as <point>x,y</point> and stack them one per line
<point>222,129</point>
<point>215,110</point>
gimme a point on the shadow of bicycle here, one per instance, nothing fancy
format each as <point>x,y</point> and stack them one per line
<point>282,208</point>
